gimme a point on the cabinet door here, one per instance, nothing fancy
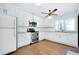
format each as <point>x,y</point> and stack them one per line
<point>24,39</point>
<point>7,41</point>
<point>42,35</point>
<point>53,36</point>
<point>21,39</point>
<point>20,43</point>
<point>28,39</point>
<point>71,39</point>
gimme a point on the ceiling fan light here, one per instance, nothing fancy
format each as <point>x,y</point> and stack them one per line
<point>49,17</point>
<point>61,14</point>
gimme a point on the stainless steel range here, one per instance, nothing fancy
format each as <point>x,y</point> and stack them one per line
<point>34,35</point>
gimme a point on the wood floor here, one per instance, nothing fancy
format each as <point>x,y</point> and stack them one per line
<point>44,47</point>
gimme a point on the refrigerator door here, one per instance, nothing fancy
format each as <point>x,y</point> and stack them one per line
<point>7,41</point>
<point>7,21</point>
<point>7,34</point>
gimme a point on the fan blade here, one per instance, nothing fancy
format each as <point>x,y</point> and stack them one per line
<point>54,10</point>
<point>44,13</point>
<point>54,14</point>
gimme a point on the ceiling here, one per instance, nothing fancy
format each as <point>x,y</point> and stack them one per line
<point>44,7</point>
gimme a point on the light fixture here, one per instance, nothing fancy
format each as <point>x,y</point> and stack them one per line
<point>37,3</point>
<point>61,14</point>
<point>49,17</point>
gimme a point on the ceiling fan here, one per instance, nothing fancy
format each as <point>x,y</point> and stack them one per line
<point>50,13</point>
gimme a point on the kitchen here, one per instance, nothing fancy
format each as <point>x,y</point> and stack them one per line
<point>26,26</point>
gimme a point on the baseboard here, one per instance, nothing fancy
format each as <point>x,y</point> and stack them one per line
<point>61,43</point>
<point>10,52</point>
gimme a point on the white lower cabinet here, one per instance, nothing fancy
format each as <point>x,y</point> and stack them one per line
<point>24,39</point>
<point>20,43</point>
<point>41,35</point>
<point>70,39</point>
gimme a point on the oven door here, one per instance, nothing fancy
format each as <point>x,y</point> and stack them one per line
<point>34,36</point>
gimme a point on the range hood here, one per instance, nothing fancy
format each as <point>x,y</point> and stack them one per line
<point>32,24</point>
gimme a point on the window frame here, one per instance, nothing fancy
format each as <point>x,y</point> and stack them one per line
<point>62,25</point>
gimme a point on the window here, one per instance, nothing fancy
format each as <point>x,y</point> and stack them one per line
<point>70,25</point>
<point>59,25</point>
<point>65,25</point>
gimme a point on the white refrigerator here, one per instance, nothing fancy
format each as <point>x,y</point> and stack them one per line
<point>7,34</point>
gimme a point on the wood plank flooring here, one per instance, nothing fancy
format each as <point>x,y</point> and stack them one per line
<point>44,47</point>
